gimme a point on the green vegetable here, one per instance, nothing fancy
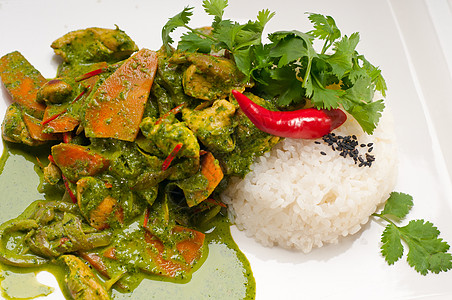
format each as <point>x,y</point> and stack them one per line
<point>301,72</point>
<point>427,252</point>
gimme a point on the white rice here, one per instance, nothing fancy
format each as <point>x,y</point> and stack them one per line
<point>295,197</point>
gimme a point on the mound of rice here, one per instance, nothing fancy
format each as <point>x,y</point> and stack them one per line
<point>297,197</point>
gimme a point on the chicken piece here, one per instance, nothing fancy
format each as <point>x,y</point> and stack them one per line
<point>166,133</point>
<point>81,281</point>
<point>97,206</point>
<point>213,125</point>
<point>14,128</point>
<point>52,174</point>
<point>210,77</point>
<point>94,45</point>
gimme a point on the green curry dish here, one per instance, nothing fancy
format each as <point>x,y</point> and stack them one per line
<point>139,206</point>
<point>94,45</point>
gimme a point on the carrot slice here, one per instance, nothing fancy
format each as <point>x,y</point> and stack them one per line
<point>117,106</point>
<point>96,261</point>
<point>35,129</point>
<point>211,170</point>
<point>100,215</point>
<point>22,81</point>
<point>190,249</point>
<point>76,161</point>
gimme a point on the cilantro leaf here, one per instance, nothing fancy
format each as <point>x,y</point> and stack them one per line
<point>341,59</point>
<point>243,60</point>
<point>226,33</point>
<point>192,42</point>
<point>179,20</point>
<point>215,8</point>
<point>398,205</point>
<point>426,248</point>
<point>368,115</point>
<point>392,248</point>
<point>284,85</point>
<point>374,73</point>
<point>427,252</point>
<point>263,17</point>
<point>326,98</point>
<point>289,50</point>
<point>324,28</point>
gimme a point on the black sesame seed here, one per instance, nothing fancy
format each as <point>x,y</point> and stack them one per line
<point>347,146</point>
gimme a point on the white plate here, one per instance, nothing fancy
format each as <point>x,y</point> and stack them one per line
<point>353,269</point>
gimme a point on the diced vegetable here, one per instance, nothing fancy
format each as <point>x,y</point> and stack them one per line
<point>117,106</point>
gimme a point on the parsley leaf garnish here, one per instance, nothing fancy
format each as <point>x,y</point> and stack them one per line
<point>289,70</point>
<point>426,251</point>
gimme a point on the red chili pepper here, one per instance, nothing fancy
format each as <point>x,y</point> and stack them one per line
<point>308,123</point>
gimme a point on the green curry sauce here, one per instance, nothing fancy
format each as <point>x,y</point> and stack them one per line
<point>123,172</point>
<point>223,272</point>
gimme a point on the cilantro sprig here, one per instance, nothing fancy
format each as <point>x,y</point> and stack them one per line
<point>427,252</point>
<point>289,70</point>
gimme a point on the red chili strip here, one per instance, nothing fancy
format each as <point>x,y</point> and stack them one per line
<point>171,112</point>
<point>67,137</point>
<point>71,194</point>
<point>146,218</point>
<point>66,184</point>
<point>90,74</point>
<point>171,156</point>
<point>51,118</point>
<point>215,202</point>
<point>308,123</point>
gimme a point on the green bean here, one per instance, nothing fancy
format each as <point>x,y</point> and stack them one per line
<point>8,256</point>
